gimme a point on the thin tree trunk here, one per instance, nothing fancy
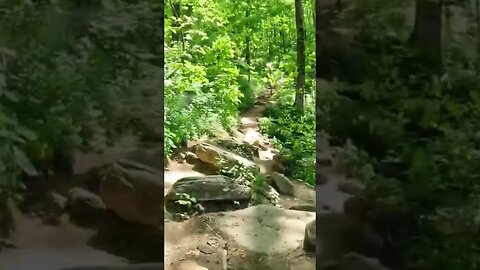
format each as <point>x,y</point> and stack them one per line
<point>176,35</point>
<point>162,47</point>
<point>426,38</point>
<point>247,42</point>
<point>317,37</point>
<point>477,11</point>
<point>300,82</point>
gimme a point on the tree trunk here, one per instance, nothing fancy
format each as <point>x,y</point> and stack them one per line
<point>317,36</point>
<point>426,38</point>
<point>176,34</point>
<point>477,11</point>
<point>162,48</point>
<point>300,83</point>
<point>247,42</point>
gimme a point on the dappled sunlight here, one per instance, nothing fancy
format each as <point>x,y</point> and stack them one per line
<point>177,170</point>
<point>266,229</point>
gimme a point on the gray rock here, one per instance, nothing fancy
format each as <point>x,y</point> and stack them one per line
<point>86,208</point>
<point>212,190</point>
<point>283,184</point>
<point>339,234</point>
<point>214,155</point>
<point>133,190</point>
<point>310,240</point>
<point>7,243</point>
<point>190,157</point>
<point>60,201</point>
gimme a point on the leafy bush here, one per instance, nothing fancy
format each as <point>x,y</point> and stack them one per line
<point>415,145</point>
<point>71,75</point>
<point>294,134</point>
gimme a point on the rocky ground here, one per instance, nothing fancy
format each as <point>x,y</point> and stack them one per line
<point>109,215</point>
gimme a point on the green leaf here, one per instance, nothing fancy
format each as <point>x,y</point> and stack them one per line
<point>23,162</point>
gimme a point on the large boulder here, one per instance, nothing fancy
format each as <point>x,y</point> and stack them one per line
<point>211,154</point>
<point>213,192</point>
<point>282,184</point>
<point>340,233</point>
<point>86,208</point>
<point>264,228</point>
<point>310,240</point>
<point>133,188</point>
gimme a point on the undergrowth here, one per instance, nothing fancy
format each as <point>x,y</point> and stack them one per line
<point>413,139</point>
<point>293,134</point>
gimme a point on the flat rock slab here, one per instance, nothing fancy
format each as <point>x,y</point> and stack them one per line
<point>134,192</point>
<point>265,229</point>
<point>213,154</point>
<point>209,188</point>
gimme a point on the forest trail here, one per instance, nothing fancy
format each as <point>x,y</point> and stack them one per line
<point>200,240</point>
<point>263,236</point>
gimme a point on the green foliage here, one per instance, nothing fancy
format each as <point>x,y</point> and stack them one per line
<point>218,61</point>
<point>242,175</point>
<point>186,200</point>
<point>416,144</point>
<point>71,75</point>
<point>250,90</point>
<point>242,149</point>
<point>293,133</point>
<point>253,179</point>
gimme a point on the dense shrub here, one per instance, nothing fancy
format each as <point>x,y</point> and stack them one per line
<point>72,74</point>
<point>413,139</point>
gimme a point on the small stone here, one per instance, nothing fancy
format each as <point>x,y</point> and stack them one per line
<point>59,200</point>
<point>278,167</point>
<point>283,184</point>
<point>310,240</point>
<point>181,158</point>
<point>277,157</point>
<point>206,249</point>
<point>86,208</point>
<point>190,157</point>
<point>7,243</point>
<point>261,145</point>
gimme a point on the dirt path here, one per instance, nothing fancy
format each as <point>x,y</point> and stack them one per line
<point>41,246</point>
<point>258,238</point>
<point>200,240</point>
